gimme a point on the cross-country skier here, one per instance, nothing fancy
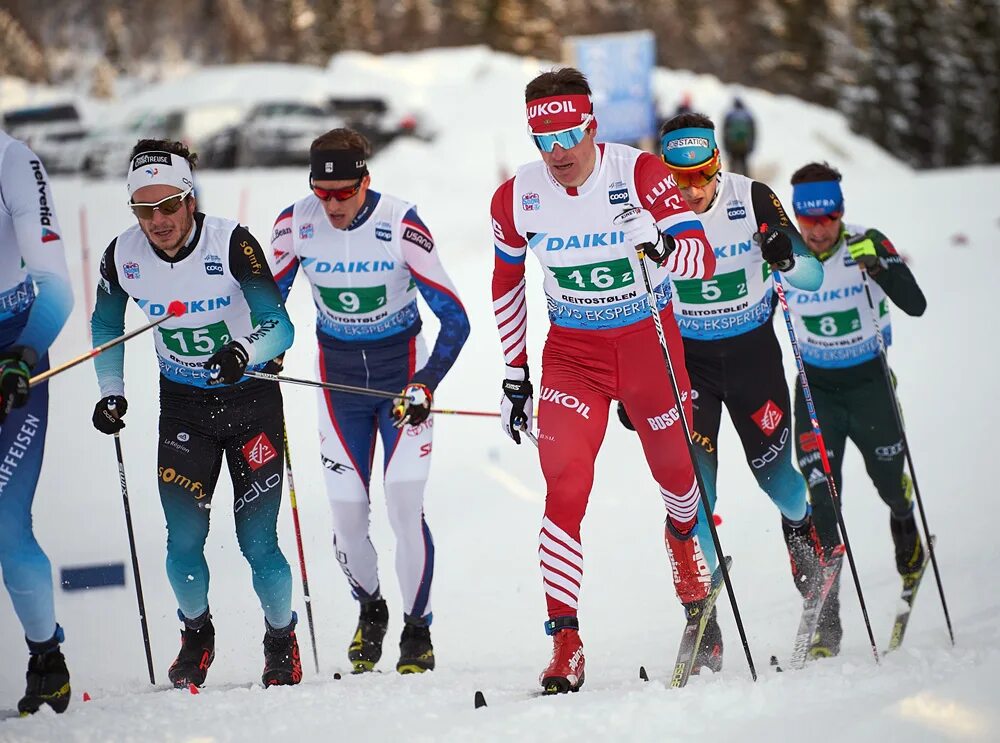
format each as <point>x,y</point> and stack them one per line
<point>36,299</point>
<point>732,354</point>
<point>367,256</point>
<point>235,321</point>
<point>841,356</point>
<point>602,344</point>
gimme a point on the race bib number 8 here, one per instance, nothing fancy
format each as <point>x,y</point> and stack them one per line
<point>196,341</point>
<point>725,287</point>
<point>595,277</point>
<point>834,324</point>
<point>355,301</point>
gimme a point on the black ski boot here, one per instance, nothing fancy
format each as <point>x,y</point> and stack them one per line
<point>826,641</point>
<point>47,677</point>
<point>196,654</point>
<point>906,540</point>
<point>804,553</point>
<point>416,654</point>
<point>366,647</point>
<point>282,665</point>
<point>710,650</point>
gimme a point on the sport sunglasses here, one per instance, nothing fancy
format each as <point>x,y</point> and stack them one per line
<point>340,194</point>
<point>697,176</point>
<point>168,205</point>
<point>812,221</point>
<point>567,138</point>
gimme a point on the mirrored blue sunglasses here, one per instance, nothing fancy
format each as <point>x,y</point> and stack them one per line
<point>566,139</point>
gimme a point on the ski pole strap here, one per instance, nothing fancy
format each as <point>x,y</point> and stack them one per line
<point>559,623</point>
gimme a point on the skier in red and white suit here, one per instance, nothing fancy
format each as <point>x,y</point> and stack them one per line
<point>574,210</point>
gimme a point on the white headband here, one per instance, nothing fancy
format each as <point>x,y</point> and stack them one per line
<point>159,169</point>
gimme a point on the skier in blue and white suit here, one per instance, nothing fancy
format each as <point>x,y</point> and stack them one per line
<point>35,300</point>
<point>367,255</point>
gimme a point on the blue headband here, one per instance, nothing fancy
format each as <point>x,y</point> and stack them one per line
<point>818,198</point>
<point>686,147</point>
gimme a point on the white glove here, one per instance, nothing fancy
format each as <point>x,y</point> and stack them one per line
<point>640,229</point>
<point>516,405</point>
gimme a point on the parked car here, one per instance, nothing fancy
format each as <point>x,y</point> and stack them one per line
<point>380,120</point>
<point>53,132</point>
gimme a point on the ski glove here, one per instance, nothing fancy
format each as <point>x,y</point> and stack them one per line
<point>413,405</point>
<point>228,364</point>
<point>108,414</point>
<point>516,405</point>
<point>16,364</point>
<point>776,249</point>
<point>862,250</point>
<point>640,230</point>
<point>623,417</point>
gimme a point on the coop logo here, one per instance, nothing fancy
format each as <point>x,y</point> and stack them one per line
<point>530,203</point>
<point>383,231</point>
<point>567,401</point>
<point>768,418</point>
<point>131,270</point>
<point>258,451</point>
<point>213,265</point>
<point>551,107</point>
<point>306,231</point>
<point>618,196</point>
<point>736,212</point>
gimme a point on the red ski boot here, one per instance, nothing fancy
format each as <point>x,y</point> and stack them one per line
<point>565,671</point>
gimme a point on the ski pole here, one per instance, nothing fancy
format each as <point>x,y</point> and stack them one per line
<point>174,309</point>
<point>651,301</point>
<point>298,543</point>
<point>324,385</point>
<point>884,361</point>
<point>135,556</point>
<point>779,288</point>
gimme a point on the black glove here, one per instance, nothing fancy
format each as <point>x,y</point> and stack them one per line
<point>776,249</point>
<point>15,373</point>
<point>516,409</point>
<point>623,417</point>
<point>108,414</point>
<point>228,364</point>
<point>659,253</point>
<point>413,406</point>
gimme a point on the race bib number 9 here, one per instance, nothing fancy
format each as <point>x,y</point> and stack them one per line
<point>356,301</point>
<point>196,341</point>
<point>834,324</point>
<point>595,277</point>
<point>725,287</point>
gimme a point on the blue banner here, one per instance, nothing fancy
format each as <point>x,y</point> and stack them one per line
<point>620,70</point>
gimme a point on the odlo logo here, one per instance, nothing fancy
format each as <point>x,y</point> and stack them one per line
<point>258,451</point>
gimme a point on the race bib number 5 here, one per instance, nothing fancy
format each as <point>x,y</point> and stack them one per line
<point>196,341</point>
<point>725,287</point>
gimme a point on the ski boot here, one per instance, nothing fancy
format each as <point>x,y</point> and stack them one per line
<point>196,654</point>
<point>826,641</point>
<point>47,677</point>
<point>282,665</point>
<point>804,553</point>
<point>366,646</point>
<point>416,654</point>
<point>565,671</point>
<point>910,554</point>
<point>710,650</point>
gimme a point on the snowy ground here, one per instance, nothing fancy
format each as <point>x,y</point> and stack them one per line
<point>485,495</point>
